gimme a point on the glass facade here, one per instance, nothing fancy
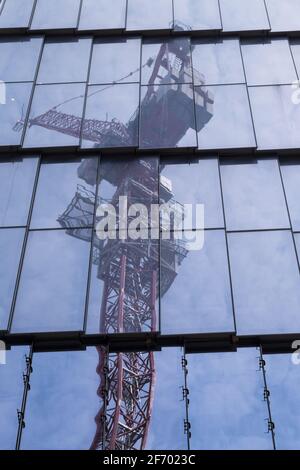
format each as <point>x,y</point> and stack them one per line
<point>149,224</point>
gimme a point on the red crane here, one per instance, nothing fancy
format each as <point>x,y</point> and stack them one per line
<point>129,270</point>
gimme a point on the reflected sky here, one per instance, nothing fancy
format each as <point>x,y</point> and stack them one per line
<point>265,282</point>
<point>284,16</point>
<point>52,290</point>
<point>268,62</point>
<point>46,17</point>
<point>66,99</point>
<point>142,14</point>
<point>168,406</point>
<point>63,401</point>
<point>199,299</point>
<point>25,53</point>
<point>244,15</point>
<point>116,106</point>
<point>11,393</point>
<point>16,14</point>
<point>291,180</point>
<point>219,60</point>
<point>283,383</point>
<point>65,61</point>
<point>11,241</point>
<point>227,410</point>
<point>16,186</point>
<point>253,195</point>
<point>114,61</point>
<point>17,100</point>
<point>231,124</point>
<point>102,14</point>
<point>276,117</point>
<point>58,184</point>
<point>197,14</point>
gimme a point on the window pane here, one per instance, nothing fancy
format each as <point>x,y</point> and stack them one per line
<point>126,270</point>
<point>63,198</point>
<point>102,14</point>
<point>291,179</point>
<point>268,62</point>
<point>16,185</point>
<point>227,408</point>
<point>65,61</point>
<point>13,112</point>
<point>229,123</point>
<point>116,61</point>
<point>253,195</point>
<point>194,182</point>
<point>295,48</point>
<point>202,274</point>
<point>56,116</point>
<point>11,241</point>
<point>63,390</point>
<point>196,14</point>
<point>284,16</point>
<point>218,61</point>
<point>241,15</point>
<point>52,289</point>
<point>55,14</point>
<point>168,406</point>
<point>265,282</point>
<point>283,383</point>
<point>141,14</point>
<point>276,117</point>
<point>167,116</point>
<point>11,394</point>
<point>25,53</point>
<point>111,116</point>
<point>16,13</point>
<point>167,61</point>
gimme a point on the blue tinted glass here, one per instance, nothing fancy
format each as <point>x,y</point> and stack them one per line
<point>266,282</point>
<point>16,186</point>
<point>202,275</point>
<point>218,62</point>
<point>227,408</point>
<point>11,394</point>
<point>65,61</point>
<point>116,61</point>
<point>25,53</point>
<point>52,290</point>
<point>284,16</point>
<point>168,406</point>
<point>167,116</point>
<point>253,195</point>
<point>15,13</point>
<point>226,122</point>
<point>268,62</point>
<point>291,180</point>
<point>111,116</point>
<point>241,15</point>
<point>11,241</point>
<point>64,198</point>
<point>142,14</point>
<point>283,384</point>
<point>55,116</point>
<point>62,380</point>
<point>13,112</point>
<point>194,182</point>
<point>196,15</point>
<point>102,14</point>
<point>167,61</point>
<point>276,115</point>
<point>295,48</point>
<point>55,14</point>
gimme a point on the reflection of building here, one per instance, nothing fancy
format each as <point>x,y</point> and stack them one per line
<point>167,349</point>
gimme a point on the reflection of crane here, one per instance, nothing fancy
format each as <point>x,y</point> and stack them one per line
<point>129,270</point>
